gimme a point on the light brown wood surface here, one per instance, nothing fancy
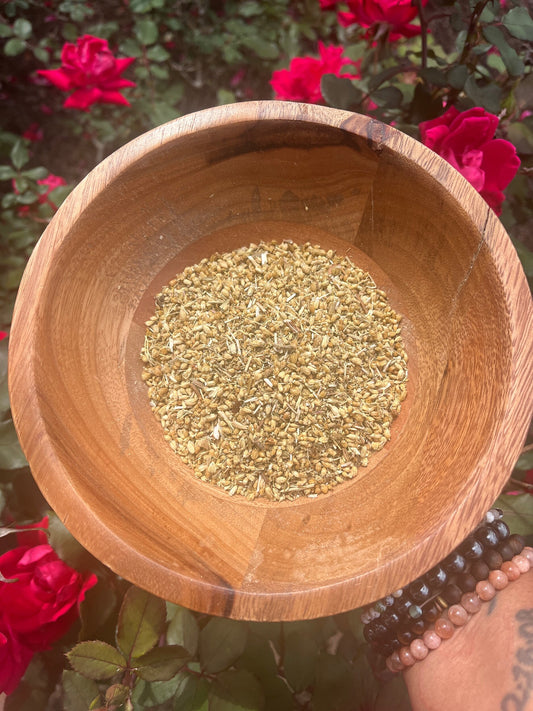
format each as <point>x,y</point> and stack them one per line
<point>226,177</point>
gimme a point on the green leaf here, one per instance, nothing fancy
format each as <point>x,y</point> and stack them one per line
<point>5,30</point>
<point>183,630</point>
<point>22,28</point>
<point>519,23</point>
<point>146,31</point>
<point>35,173</point>
<point>301,652</point>
<point>236,691</point>
<point>40,53</point>
<point>224,96</point>
<point>14,46</point>
<point>7,172</point>
<point>518,512</point>
<point>262,48</point>
<point>278,696</point>
<point>148,694</point>
<point>159,72</point>
<point>222,642</point>
<point>19,154</point>
<point>525,461</point>
<point>389,96</point>
<point>161,663</point>
<point>250,8</point>
<point>192,695</point>
<point>457,76</point>
<point>116,695</point>
<point>515,66</point>
<point>258,658</point>
<point>141,622</point>
<point>434,76</point>
<point>157,53</point>
<point>488,96</point>
<point>78,691</point>
<point>96,660</point>
<point>334,685</point>
<point>11,455</point>
<point>130,48</point>
<point>339,92</point>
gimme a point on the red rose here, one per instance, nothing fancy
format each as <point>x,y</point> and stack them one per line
<point>301,81</point>
<point>394,15</point>
<point>52,182</point>
<point>39,606</point>
<point>14,660</point>
<point>466,140</point>
<point>90,70</point>
<point>3,334</point>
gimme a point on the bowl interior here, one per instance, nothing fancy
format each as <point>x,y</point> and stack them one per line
<point>207,183</point>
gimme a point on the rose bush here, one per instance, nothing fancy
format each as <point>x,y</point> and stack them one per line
<point>91,72</point>
<point>301,81</point>
<point>39,600</point>
<point>466,140</point>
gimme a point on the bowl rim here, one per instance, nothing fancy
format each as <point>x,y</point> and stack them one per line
<point>33,431</point>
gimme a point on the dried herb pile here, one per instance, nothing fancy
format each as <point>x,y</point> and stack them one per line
<point>275,370</point>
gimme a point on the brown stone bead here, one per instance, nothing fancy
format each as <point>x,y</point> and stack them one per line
<point>418,627</point>
<point>528,553</point>
<point>405,637</point>
<point>522,563</point>
<point>458,615</point>
<point>471,602</point>
<point>485,590</point>
<point>394,663</point>
<point>498,579</point>
<point>444,628</point>
<point>479,569</point>
<point>431,612</point>
<point>493,559</point>
<point>517,543</point>
<point>418,649</point>
<point>511,570</point>
<point>406,657</point>
<point>431,639</point>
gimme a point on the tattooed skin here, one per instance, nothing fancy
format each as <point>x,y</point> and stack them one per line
<point>517,700</point>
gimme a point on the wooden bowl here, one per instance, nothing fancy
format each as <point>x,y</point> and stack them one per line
<point>223,178</point>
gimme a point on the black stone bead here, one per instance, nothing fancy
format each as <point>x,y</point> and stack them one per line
<point>436,578</point>
<point>380,631</point>
<point>479,569</point>
<point>419,591</point>
<point>369,633</point>
<point>505,549</point>
<point>487,536</point>
<point>517,542</point>
<point>405,636</point>
<point>390,619</point>
<point>402,605</point>
<point>454,563</point>
<point>501,528</point>
<point>466,582</point>
<point>471,549</point>
<point>452,594</point>
<point>386,649</point>
<point>493,559</point>
<point>418,627</point>
<point>431,612</point>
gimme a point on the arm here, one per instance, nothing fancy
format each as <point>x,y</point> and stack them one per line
<point>487,665</point>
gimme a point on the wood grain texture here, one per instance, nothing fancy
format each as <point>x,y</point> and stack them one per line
<point>213,181</point>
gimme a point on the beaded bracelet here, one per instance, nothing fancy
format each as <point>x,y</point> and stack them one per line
<point>399,621</point>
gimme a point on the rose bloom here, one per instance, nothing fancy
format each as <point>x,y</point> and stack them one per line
<point>466,140</point>
<point>40,604</point>
<point>91,72</point>
<point>52,182</point>
<point>301,81</point>
<point>395,15</point>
